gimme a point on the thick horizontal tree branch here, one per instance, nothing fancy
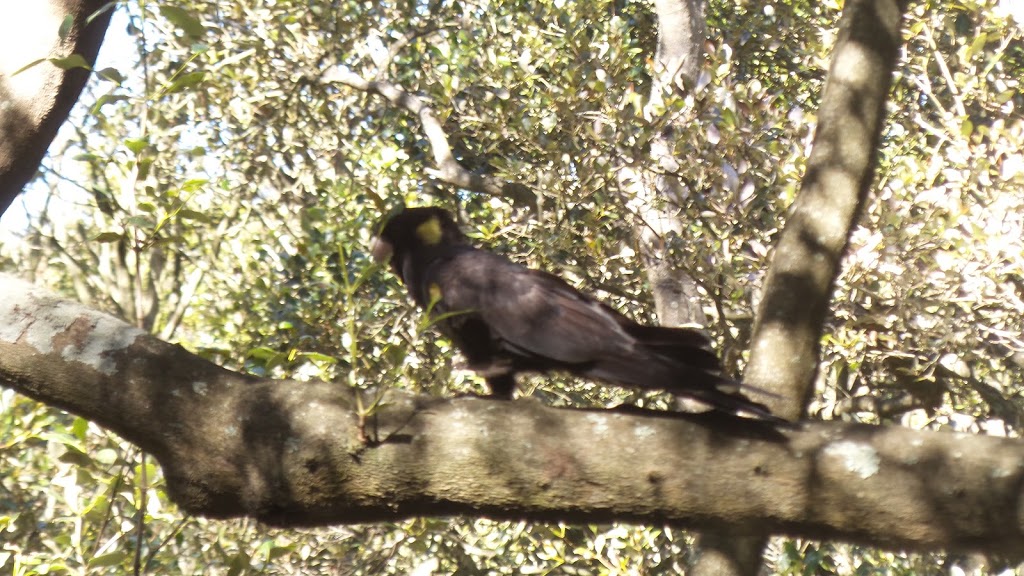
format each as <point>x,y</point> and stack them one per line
<point>297,453</point>
<point>448,169</point>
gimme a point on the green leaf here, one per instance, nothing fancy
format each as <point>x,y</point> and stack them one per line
<point>104,100</point>
<point>96,510</point>
<point>967,128</point>
<point>136,145</point>
<point>278,551</point>
<point>318,357</point>
<point>108,559</point>
<point>71,62</point>
<point>76,457</point>
<point>140,221</point>
<point>61,438</point>
<point>78,427</point>
<point>145,163</point>
<point>29,65</point>
<point>65,27</point>
<point>978,45</point>
<point>186,81</point>
<point>262,353</point>
<point>112,74</point>
<point>184,21</point>
<point>187,214</point>
<point>151,471</point>
<point>99,12</point>
<point>109,237</point>
<point>106,456</point>
<point>194,184</point>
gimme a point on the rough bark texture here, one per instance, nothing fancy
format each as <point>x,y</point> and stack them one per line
<point>797,291</point>
<point>36,102</point>
<point>296,453</point>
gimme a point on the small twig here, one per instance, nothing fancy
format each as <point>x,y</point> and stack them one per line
<point>395,47</point>
<point>140,526</point>
<point>177,528</point>
<point>447,169</point>
<point>108,514</point>
<point>950,83</point>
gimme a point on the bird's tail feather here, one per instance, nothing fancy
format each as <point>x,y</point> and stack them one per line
<point>726,396</point>
<point>684,379</point>
<point>685,345</point>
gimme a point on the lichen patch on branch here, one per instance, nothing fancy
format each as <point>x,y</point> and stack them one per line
<point>57,326</point>
<point>859,458</point>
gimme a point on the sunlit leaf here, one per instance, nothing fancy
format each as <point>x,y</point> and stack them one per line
<point>109,559</point>
<point>71,62</point>
<point>184,20</point>
<point>65,27</point>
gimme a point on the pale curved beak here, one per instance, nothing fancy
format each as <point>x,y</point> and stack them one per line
<point>380,249</point>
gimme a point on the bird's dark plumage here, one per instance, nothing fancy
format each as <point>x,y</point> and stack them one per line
<point>506,318</point>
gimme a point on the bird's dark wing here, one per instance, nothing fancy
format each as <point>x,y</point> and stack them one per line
<point>539,315</point>
<point>542,323</point>
<point>533,313</point>
<point>689,346</point>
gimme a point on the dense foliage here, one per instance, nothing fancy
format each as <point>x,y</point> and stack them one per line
<point>214,191</point>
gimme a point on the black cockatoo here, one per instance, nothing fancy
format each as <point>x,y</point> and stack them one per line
<point>506,318</point>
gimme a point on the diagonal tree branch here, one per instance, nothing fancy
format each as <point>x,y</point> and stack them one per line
<point>37,100</point>
<point>798,288</point>
<point>448,169</point>
<point>299,453</point>
<point>787,329</point>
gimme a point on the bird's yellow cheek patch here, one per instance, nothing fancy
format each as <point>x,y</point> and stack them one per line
<point>429,232</point>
